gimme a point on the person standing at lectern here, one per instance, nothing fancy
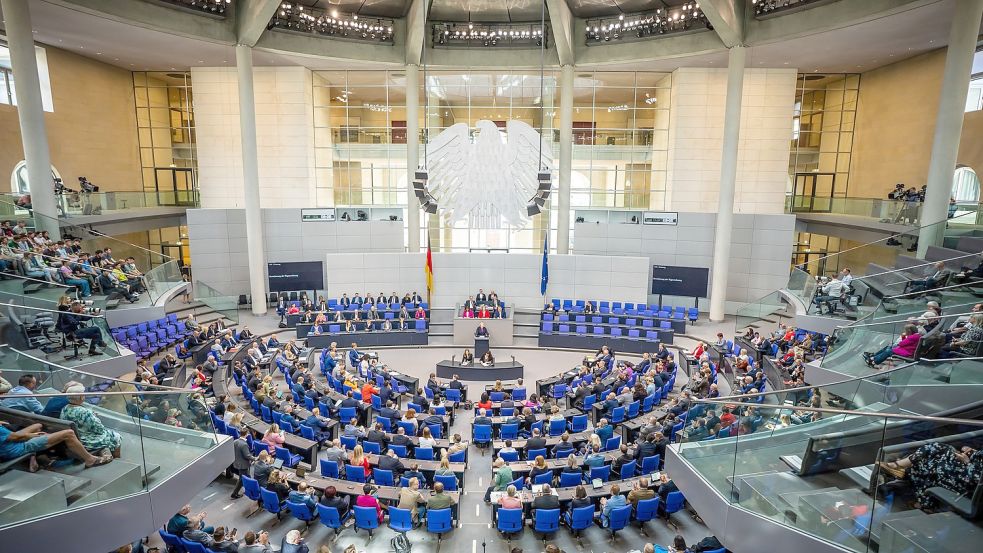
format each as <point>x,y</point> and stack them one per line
<point>481,331</point>
<point>468,357</point>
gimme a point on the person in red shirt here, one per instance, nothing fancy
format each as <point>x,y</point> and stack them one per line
<point>727,418</point>
<point>367,390</point>
<point>420,313</point>
<point>484,313</point>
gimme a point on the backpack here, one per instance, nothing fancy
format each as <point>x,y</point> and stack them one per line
<point>400,544</point>
<point>709,543</point>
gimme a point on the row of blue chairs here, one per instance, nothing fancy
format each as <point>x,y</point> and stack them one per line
<point>439,521</point>
<point>419,325</point>
<point>381,477</point>
<point>597,330</point>
<point>147,338</point>
<point>611,321</point>
<point>335,305</point>
<point>626,308</point>
<point>547,521</point>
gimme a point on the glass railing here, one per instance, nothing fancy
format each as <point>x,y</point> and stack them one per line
<point>883,255</point>
<point>33,292</point>
<point>35,331</point>
<point>153,432</point>
<point>227,305</point>
<point>883,210</point>
<point>835,491</point>
<point>75,204</point>
<point>849,344</point>
<point>769,309</point>
<point>162,279</point>
<point>157,272</point>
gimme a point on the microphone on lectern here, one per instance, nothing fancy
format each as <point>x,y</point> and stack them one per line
<point>513,359</point>
<point>452,359</point>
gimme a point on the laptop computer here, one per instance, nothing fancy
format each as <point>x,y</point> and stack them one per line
<point>278,464</point>
<point>597,483</point>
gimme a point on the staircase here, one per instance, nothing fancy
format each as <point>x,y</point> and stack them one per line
<point>441,326</point>
<point>526,328</point>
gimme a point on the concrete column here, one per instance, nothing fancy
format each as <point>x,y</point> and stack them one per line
<point>566,160</point>
<point>949,122</point>
<point>728,176</point>
<point>250,179</point>
<point>412,156</point>
<point>30,112</point>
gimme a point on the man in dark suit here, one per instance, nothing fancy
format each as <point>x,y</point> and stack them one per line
<point>610,404</point>
<point>536,441</point>
<point>400,438</point>
<point>433,418</point>
<point>377,435</point>
<point>393,298</point>
<point>417,299</point>
<point>421,399</point>
<point>481,297</point>
<point>389,411</point>
<point>470,303</point>
<point>646,448</point>
<point>389,461</point>
<point>545,500</point>
<point>621,461</point>
<point>385,392</point>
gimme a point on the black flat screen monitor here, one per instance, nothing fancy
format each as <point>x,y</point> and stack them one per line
<point>680,281</point>
<point>299,275</point>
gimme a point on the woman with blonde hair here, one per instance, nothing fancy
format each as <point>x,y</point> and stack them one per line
<point>426,438</point>
<point>445,466</point>
<point>278,483</point>
<point>359,458</point>
<point>273,438</point>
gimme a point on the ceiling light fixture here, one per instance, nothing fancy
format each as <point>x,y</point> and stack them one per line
<point>770,8</point>
<point>208,7</point>
<point>649,24</point>
<point>471,34</point>
<point>293,18</point>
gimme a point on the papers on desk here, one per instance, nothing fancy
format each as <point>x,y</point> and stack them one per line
<point>538,489</point>
<point>496,496</point>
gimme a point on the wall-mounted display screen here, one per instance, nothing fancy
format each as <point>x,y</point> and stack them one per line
<point>299,275</point>
<point>680,281</point>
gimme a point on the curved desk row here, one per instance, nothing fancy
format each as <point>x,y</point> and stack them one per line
<point>365,339</point>
<point>501,370</point>
<point>619,344</point>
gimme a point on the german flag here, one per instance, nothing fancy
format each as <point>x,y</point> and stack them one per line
<point>429,270</point>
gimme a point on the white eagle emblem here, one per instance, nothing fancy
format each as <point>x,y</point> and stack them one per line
<point>488,178</point>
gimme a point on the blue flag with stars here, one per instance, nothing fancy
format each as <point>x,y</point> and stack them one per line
<point>546,265</point>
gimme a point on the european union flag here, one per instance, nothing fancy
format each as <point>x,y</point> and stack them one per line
<point>546,265</point>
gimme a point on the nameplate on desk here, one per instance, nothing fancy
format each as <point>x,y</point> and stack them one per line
<point>317,215</point>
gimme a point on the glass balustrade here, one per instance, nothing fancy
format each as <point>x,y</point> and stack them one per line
<point>225,304</point>
<point>159,431</point>
<point>76,204</point>
<point>158,273</point>
<point>815,469</point>
<point>35,331</point>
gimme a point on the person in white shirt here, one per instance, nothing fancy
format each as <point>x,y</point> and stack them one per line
<point>830,292</point>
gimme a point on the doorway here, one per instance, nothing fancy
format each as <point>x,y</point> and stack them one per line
<point>175,186</point>
<point>813,192</point>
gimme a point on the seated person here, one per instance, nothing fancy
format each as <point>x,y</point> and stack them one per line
<point>73,322</point>
<point>32,439</point>
<point>828,294</point>
<point>467,358</point>
<point>935,276</point>
<point>609,504</point>
<point>487,360</point>
<point>905,347</point>
<point>330,498</point>
<point>91,433</point>
<point>420,313</point>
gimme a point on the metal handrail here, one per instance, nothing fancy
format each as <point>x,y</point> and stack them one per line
<point>73,369</point>
<point>910,232</point>
<point>946,315</point>
<point>947,420</point>
<point>847,380</point>
<point>55,311</point>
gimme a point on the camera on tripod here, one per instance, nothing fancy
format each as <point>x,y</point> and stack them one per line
<point>60,187</point>
<point>87,186</point>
